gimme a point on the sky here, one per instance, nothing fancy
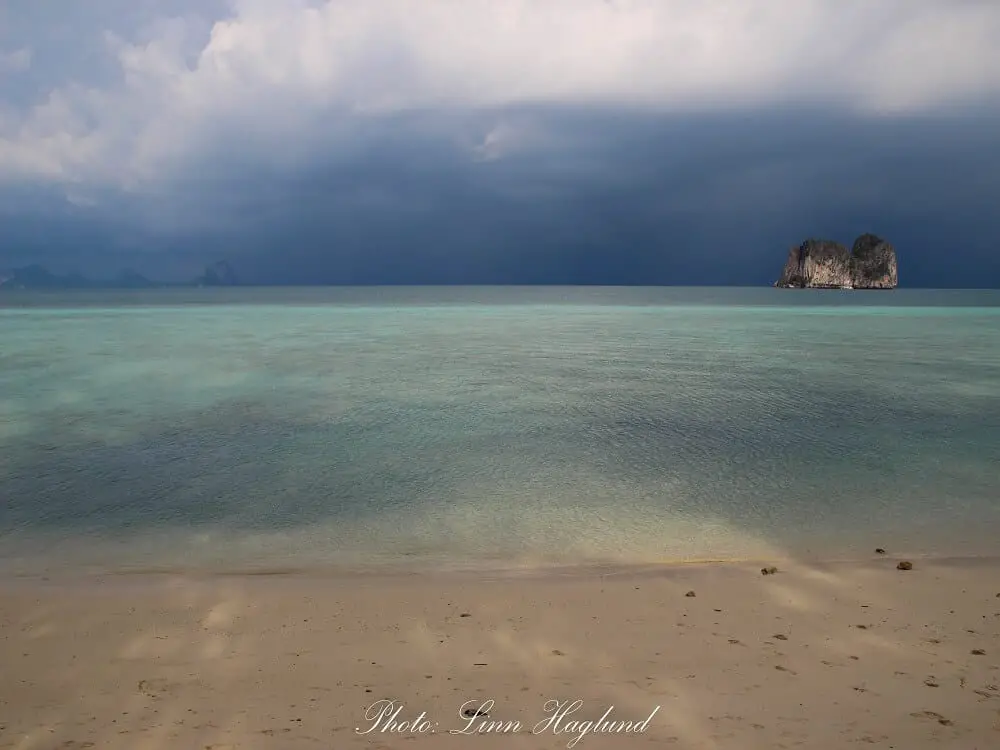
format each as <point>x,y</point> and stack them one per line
<point>498,141</point>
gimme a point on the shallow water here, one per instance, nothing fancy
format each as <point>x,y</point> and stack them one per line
<point>491,426</point>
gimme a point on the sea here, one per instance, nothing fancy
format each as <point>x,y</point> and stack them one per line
<point>494,428</point>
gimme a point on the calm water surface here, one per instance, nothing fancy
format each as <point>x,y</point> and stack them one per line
<point>229,429</point>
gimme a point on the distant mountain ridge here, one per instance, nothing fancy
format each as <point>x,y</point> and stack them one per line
<point>219,273</point>
<point>36,276</point>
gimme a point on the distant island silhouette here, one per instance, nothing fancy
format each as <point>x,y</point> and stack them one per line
<point>36,276</point>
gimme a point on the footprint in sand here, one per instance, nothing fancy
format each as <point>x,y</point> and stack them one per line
<point>934,716</point>
<point>988,691</point>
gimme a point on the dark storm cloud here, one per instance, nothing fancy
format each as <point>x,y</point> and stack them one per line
<point>638,198</point>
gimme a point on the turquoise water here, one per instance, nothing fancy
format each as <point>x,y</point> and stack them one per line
<point>228,429</point>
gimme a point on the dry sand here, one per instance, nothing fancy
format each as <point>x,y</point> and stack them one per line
<point>814,657</point>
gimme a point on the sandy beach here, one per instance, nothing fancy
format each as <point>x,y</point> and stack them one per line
<point>814,656</point>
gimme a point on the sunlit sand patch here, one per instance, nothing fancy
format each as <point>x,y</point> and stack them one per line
<point>633,694</point>
<point>35,738</point>
<point>190,593</point>
<point>220,616</point>
<point>38,618</point>
<point>43,630</point>
<point>680,714</point>
<point>420,636</point>
<point>214,648</point>
<point>866,639</point>
<point>794,598</point>
<point>154,643</point>
<point>825,577</point>
<point>524,654</point>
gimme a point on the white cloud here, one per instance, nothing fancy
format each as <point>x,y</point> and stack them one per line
<point>282,75</point>
<point>507,136</point>
<point>15,61</point>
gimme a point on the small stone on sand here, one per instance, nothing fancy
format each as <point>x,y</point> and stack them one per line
<point>879,551</point>
<point>904,565</point>
<point>768,571</point>
<point>690,593</point>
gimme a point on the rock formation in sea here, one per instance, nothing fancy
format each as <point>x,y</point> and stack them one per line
<point>824,264</point>
<point>874,263</point>
<point>219,273</point>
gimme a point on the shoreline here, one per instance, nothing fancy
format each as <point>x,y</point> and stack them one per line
<point>473,572</point>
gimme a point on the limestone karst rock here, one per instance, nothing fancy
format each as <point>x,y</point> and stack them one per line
<point>824,264</point>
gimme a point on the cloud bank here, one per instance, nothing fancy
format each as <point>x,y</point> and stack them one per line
<point>168,127</point>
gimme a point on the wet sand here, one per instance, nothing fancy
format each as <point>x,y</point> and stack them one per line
<point>815,656</point>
